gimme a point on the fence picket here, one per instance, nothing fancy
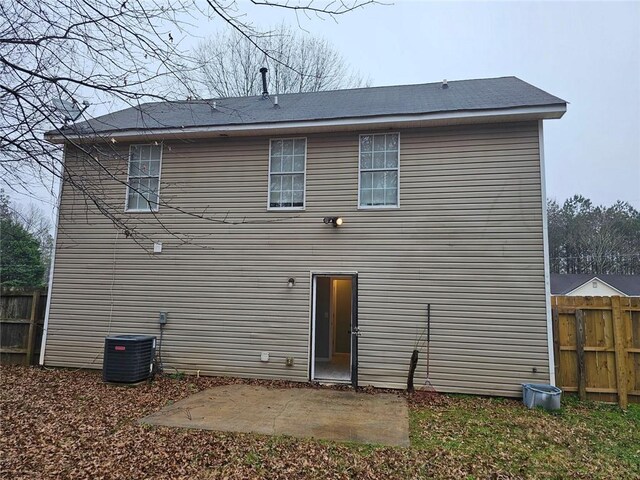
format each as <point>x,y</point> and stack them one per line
<point>606,362</point>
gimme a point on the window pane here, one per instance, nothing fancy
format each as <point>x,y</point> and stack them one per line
<point>154,168</point>
<point>378,179</point>
<point>144,168</point>
<point>276,183</point>
<point>366,161</point>
<point>392,141</point>
<point>298,182</point>
<point>299,146</point>
<point>276,147</point>
<point>366,180</point>
<point>391,196</point>
<point>145,152</point>
<point>134,186</point>
<point>391,159</point>
<point>287,147</point>
<point>153,194</point>
<point>287,163</point>
<point>134,168</point>
<point>144,187</point>
<point>275,199</point>
<point>366,196</point>
<point>378,143</point>
<point>378,160</point>
<point>141,186</point>
<point>134,153</point>
<point>378,196</point>
<point>391,180</point>
<point>155,152</point>
<point>276,164</point>
<point>365,143</point>
<point>132,201</point>
<point>298,198</point>
<point>153,186</point>
<point>298,163</point>
<point>286,198</point>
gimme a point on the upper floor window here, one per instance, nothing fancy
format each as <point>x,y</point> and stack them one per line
<point>379,170</point>
<point>287,161</point>
<point>143,185</point>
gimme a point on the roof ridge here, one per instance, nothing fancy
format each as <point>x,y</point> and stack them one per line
<point>400,85</point>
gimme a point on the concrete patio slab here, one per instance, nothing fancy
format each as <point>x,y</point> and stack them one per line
<point>381,418</point>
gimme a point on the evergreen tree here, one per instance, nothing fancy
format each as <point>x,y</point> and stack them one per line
<point>21,259</point>
<point>584,238</point>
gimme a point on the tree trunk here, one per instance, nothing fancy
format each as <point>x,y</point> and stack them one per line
<point>412,370</point>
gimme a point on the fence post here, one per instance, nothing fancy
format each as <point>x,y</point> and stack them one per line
<point>35,300</point>
<point>555,325</point>
<point>620,351</point>
<point>580,340</point>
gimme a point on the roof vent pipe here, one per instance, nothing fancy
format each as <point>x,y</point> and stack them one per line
<point>445,84</point>
<point>275,102</point>
<point>265,92</point>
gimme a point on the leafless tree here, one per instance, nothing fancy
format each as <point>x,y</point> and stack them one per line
<point>113,53</point>
<point>226,65</point>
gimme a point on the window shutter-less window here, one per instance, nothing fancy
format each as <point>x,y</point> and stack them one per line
<point>379,168</point>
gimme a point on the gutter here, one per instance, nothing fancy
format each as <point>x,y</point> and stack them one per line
<point>379,121</point>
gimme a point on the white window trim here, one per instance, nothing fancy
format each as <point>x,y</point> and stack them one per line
<point>377,207</point>
<point>304,185</point>
<point>126,198</point>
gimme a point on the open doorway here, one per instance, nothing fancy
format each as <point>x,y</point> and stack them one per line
<point>334,346</point>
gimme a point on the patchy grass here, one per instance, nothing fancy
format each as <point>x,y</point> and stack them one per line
<point>582,440</point>
<point>67,424</point>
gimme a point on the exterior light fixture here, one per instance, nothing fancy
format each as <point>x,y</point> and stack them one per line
<point>291,282</point>
<point>335,221</point>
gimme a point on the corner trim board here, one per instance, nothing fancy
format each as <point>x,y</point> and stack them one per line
<point>547,266</point>
<point>45,327</point>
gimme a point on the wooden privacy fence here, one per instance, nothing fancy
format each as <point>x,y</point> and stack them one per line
<point>21,321</point>
<point>596,342</point>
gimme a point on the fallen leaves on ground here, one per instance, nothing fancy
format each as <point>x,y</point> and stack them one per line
<point>68,424</point>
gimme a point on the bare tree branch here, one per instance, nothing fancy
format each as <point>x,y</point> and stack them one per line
<point>117,54</point>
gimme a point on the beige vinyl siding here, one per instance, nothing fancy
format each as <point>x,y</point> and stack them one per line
<point>467,238</point>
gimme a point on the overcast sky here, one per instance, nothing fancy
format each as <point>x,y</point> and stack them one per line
<point>585,53</point>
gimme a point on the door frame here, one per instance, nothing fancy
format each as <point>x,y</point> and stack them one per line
<point>353,362</point>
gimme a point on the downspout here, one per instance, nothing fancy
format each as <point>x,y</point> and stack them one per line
<point>545,241</point>
<point>45,327</point>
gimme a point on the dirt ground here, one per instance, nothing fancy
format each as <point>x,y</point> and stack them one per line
<point>67,424</point>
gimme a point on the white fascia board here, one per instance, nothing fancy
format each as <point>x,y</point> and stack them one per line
<point>381,121</point>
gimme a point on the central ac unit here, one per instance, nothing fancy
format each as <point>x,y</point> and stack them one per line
<point>128,358</point>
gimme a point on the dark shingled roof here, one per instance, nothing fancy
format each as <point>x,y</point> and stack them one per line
<point>460,96</point>
<point>563,283</point>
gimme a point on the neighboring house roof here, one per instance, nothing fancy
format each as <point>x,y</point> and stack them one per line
<point>563,283</point>
<point>506,93</point>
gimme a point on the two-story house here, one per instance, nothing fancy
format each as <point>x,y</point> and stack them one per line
<point>302,236</point>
